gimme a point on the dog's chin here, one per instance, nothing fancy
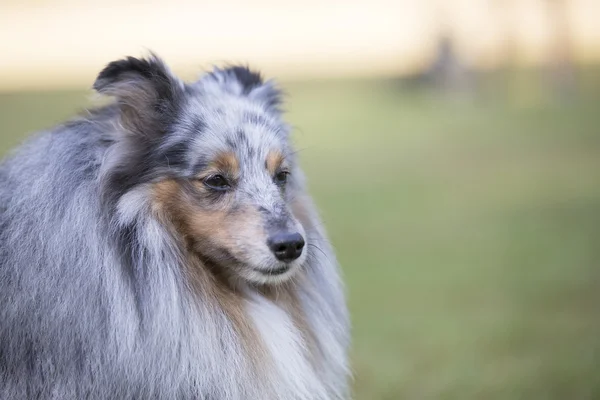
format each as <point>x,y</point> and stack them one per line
<point>272,276</point>
<point>270,271</point>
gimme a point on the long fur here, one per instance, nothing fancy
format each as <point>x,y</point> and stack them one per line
<point>101,298</point>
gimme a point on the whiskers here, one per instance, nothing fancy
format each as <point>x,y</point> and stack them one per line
<point>312,245</point>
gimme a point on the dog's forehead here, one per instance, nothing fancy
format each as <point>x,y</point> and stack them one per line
<point>234,124</point>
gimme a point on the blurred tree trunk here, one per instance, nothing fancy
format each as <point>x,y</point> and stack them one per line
<point>561,71</point>
<point>448,72</point>
<point>509,50</point>
<point>504,9</point>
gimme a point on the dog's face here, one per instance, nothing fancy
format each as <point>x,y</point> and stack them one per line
<point>217,159</point>
<point>231,203</point>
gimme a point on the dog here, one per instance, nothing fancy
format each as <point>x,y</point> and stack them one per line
<point>164,246</point>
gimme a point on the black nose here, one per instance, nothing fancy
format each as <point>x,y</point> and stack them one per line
<point>286,246</point>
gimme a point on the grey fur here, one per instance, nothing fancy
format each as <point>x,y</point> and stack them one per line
<point>93,300</point>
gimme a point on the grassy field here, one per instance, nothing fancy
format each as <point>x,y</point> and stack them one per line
<point>468,232</point>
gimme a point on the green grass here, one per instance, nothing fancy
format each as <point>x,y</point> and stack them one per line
<point>468,233</point>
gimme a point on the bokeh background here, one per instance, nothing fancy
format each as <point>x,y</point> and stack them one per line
<point>453,147</point>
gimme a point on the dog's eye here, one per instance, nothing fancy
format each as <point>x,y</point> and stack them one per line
<point>217,182</point>
<point>281,177</point>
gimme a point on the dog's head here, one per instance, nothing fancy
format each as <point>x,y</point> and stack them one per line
<point>212,161</point>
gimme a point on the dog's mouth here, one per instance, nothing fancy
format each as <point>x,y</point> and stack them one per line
<point>227,259</point>
<point>274,271</point>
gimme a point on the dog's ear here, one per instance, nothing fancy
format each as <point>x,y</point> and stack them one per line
<point>247,82</point>
<point>147,93</point>
<point>255,87</point>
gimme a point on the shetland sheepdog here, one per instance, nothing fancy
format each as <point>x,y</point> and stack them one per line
<point>164,246</point>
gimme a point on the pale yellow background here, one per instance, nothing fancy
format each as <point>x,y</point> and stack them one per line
<point>62,43</point>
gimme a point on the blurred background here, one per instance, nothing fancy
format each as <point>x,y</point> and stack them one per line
<point>453,147</point>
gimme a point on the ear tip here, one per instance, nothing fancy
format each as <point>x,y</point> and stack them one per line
<point>248,77</point>
<point>112,71</point>
<point>146,67</point>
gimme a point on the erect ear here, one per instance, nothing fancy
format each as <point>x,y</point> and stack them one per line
<point>147,93</point>
<point>248,83</point>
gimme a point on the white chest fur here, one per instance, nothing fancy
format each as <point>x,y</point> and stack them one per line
<point>291,375</point>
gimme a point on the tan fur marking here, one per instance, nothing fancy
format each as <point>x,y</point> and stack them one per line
<point>226,162</point>
<point>274,161</point>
